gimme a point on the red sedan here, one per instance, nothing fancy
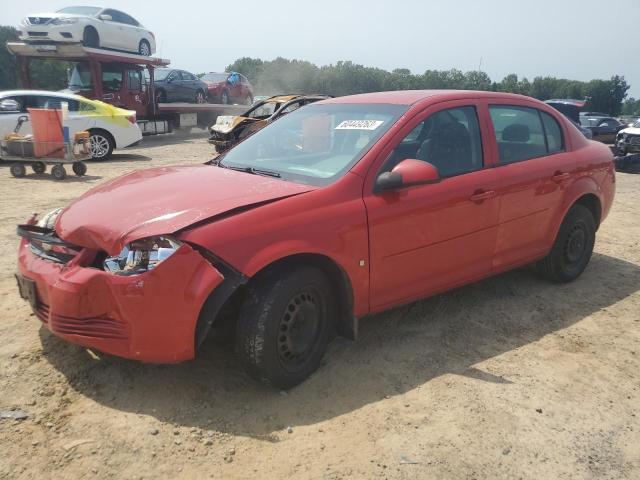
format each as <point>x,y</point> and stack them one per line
<point>343,208</point>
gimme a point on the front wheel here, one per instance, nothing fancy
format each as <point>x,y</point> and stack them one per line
<point>90,38</point>
<point>101,145</point>
<point>224,98</point>
<point>248,100</point>
<point>573,247</point>
<point>285,325</point>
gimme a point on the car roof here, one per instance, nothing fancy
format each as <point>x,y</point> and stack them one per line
<point>288,98</point>
<point>410,97</point>
<point>15,93</point>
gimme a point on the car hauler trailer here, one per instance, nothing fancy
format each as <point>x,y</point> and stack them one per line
<point>122,79</point>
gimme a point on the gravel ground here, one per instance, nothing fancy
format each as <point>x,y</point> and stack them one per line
<point>509,378</point>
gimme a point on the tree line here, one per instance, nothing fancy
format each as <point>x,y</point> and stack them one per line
<point>346,78</point>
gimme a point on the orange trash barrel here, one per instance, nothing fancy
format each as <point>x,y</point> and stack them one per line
<point>47,132</point>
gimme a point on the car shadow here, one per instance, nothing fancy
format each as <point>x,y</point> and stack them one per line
<point>397,351</point>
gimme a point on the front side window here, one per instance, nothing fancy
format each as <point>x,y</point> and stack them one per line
<point>314,145</point>
<point>135,80</point>
<point>449,140</point>
<point>519,133</point>
<point>111,79</point>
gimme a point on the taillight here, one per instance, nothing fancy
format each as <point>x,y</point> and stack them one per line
<point>132,119</point>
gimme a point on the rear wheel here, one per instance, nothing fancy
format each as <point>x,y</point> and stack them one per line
<point>573,247</point>
<point>284,325</point>
<point>200,97</point>
<point>58,172</point>
<point>144,48</point>
<point>39,167</point>
<point>101,144</point>
<point>18,170</point>
<point>90,38</point>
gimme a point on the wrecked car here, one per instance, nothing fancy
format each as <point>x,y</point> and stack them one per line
<point>229,130</point>
<point>342,209</point>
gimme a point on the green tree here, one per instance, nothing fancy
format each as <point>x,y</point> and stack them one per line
<point>8,77</point>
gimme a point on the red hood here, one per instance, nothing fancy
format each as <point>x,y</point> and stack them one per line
<point>161,201</point>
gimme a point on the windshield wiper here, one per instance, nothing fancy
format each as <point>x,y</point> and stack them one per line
<point>253,170</point>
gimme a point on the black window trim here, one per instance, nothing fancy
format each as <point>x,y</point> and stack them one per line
<point>504,105</point>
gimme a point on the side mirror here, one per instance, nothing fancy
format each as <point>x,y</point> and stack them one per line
<point>9,105</point>
<point>106,17</point>
<point>407,173</point>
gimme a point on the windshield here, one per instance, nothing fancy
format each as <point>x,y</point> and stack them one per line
<point>316,144</point>
<point>81,10</point>
<point>161,73</point>
<point>215,77</point>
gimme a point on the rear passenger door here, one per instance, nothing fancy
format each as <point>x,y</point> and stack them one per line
<point>534,170</point>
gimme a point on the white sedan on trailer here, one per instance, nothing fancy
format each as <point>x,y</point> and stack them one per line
<point>95,27</point>
<point>109,127</point>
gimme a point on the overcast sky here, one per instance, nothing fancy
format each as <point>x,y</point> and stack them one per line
<point>577,39</point>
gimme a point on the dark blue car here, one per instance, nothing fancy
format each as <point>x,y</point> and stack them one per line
<point>172,85</point>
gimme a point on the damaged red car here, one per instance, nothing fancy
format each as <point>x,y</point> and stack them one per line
<point>344,208</point>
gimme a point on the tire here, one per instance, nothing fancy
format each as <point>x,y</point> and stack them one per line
<point>284,325</point>
<point>101,144</point>
<point>39,167</point>
<point>200,97</point>
<point>90,38</point>
<point>18,170</point>
<point>144,48</point>
<point>248,100</point>
<point>58,172</point>
<point>224,98</point>
<point>573,247</point>
<point>79,168</point>
<point>161,96</point>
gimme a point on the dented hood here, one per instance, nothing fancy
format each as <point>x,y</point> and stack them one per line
<point>162,201</point>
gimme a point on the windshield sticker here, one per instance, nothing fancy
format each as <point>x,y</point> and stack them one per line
<point>359,124</point>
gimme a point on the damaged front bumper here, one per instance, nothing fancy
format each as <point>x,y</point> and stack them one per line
<point>152,317</point>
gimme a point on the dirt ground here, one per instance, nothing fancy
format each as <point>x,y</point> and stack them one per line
<point>509,378</point>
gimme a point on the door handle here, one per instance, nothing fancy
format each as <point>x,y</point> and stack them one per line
<point>482,195</point>
<point>560,176</point>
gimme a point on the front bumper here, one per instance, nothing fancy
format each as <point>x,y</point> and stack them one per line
<point>628,146</point>
<point>54,33</point>
<point>150,317</point>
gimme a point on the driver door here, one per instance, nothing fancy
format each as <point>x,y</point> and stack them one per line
<point>429,238</point>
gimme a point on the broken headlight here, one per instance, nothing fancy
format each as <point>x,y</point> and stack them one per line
<point>141,256</point>
<point>48,221</point>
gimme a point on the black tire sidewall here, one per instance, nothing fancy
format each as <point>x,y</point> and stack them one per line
<point>259,324</point>
<point>577,215</point>
<point>109,140</point>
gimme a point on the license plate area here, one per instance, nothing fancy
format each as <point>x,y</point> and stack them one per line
<point>27,289</point>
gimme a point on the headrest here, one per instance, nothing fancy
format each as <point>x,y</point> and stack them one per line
<point>516,132</point>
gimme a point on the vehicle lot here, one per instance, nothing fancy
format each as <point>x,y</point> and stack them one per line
<point>511,377</point>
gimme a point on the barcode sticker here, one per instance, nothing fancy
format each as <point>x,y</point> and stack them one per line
<point>359,125</point>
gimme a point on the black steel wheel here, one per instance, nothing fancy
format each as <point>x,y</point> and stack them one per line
<point>79,168</point>
<point>18,170</point>
<point>573,247</point>
<point>285,324</point>
<point>39,167</point>
<point>58,172</point>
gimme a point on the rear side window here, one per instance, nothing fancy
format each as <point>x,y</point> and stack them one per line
<point>521,135</point>
<point>553,132</point>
